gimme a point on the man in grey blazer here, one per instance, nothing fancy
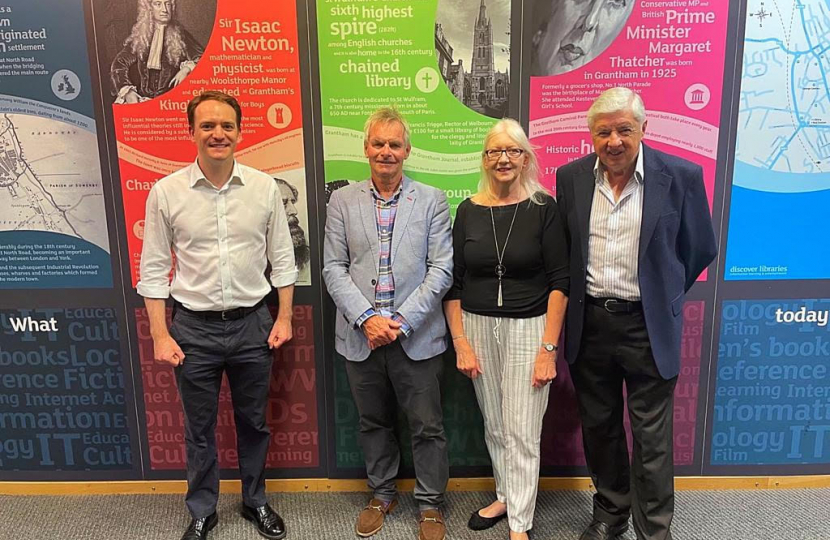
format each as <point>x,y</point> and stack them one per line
<point>387,264</point>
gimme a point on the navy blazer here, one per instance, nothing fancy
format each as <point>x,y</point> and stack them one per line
<point>677,243</point>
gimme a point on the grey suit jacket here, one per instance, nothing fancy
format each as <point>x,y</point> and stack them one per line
<point>421,265</point>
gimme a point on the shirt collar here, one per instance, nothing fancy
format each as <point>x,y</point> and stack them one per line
<point>196,174</point>
<point>639,168</point>
<point>395,196</point>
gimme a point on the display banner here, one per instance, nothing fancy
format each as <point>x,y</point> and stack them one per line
<point>62,392</point>
<point>291,410</point>
<point>671,53</point>
<point>53,222</point>
<point>172,51</point>
<point>781,177</point>
<point>445,65</point>
<point>772,392</point>
<point>562,431</point>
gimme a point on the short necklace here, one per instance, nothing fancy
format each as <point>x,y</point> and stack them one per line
<point>500,268</point>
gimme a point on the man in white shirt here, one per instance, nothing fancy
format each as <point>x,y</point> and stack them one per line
<point>223,222</point>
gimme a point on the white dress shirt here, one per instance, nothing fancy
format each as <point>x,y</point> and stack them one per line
<point>221,239</point>
<point>614,236</point>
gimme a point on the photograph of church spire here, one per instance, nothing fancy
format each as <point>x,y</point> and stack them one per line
<point>472,43</point>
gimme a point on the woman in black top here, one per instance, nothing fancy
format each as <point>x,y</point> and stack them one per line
<point>505,312</point>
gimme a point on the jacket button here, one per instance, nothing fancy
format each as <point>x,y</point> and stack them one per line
<point>374,282</point>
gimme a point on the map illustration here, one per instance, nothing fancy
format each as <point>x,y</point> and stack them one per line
<point>50,179</point>
<point>781,180</point>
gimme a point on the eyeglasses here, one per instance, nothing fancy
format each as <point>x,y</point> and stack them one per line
<point>512,153</point>
<point>622,133</point>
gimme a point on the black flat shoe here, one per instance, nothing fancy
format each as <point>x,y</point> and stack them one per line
<point>199,528</point>
<point>598,530</point>
<point>479,523</point>
<point>268,523</point>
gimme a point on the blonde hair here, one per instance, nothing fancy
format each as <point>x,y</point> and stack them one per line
<point>386,115</point>
<point>529,177</point>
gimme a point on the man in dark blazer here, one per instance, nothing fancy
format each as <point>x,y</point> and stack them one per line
<point>640,233</point>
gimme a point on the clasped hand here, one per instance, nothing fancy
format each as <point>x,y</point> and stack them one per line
<point>380,331</point>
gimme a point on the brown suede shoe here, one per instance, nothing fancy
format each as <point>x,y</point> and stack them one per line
<point>431,526</point>
<point>370,519</point>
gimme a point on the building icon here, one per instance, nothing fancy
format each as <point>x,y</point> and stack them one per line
<point>698,96</point>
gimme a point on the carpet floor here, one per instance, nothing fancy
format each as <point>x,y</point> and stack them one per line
<point>560,515</point>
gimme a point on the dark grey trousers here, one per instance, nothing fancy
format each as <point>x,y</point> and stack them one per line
<point>388,377</point>
<point>240,349</point>
<point>615,349</point>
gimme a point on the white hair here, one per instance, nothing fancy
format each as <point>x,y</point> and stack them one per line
<point>529,178</point>
<point>617,99</point>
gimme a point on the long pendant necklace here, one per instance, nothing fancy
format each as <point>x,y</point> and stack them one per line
<point>500,268</point>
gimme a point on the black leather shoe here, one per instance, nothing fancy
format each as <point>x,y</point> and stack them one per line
<point>479,523</point>
<point>199,528</point>
<point>599,530</point>
<point>268,523</point>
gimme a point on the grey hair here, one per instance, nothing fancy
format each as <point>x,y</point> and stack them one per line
<point>282,182</point>
<point>142,33</point>
<point>386,115</point>
<point>529,178</point>
<point>617,99</point>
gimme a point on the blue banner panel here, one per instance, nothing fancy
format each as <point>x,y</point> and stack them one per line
<point>51,183</point>
<point>781,179</point>
<point>62,391</point>
<point>772,395</point>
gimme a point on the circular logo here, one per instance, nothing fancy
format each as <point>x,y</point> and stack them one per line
<point>138,229</point>
<point>279,115</point>
<point>697,96</point>
<point>66,85</point>
<point>427,79</point>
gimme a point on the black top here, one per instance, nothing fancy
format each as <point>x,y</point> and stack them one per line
<point>535,259</point>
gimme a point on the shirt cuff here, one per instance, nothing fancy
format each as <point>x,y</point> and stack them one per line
<point>284,279</point>
<point>405,328</point>
<point>153,291</point>
<point>363,318</point>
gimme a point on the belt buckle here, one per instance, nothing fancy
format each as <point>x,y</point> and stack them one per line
<point>606,305</point>
<point>224,315</point>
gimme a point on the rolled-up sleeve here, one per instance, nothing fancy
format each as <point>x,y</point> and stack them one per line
<point>156,258</point>
<point>278,244</point>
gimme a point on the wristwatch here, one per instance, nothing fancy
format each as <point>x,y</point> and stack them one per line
<point>550,347</point>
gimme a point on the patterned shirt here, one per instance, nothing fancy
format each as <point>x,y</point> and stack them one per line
<point>385,212</point>
<point>614,237</point>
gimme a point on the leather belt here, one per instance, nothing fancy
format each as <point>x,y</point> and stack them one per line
<point>227,315</point>
<point>615,305</point>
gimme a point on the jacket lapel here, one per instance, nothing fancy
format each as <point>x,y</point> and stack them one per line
<point>584,184</point>
<point>367,214</point>
<point>405,206</point>
<point>655,185</point>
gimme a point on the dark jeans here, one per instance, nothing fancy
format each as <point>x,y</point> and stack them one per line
<point>240,349</point>
<point>615,348</point>
<point>386,377</point>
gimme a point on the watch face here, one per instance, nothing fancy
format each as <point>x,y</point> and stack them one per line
<point>549,347</point>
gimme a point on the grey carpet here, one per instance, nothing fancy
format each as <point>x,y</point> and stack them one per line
<point>560,515</point>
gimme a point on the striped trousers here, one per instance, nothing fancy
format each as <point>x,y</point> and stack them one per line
<point>506,349</point>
